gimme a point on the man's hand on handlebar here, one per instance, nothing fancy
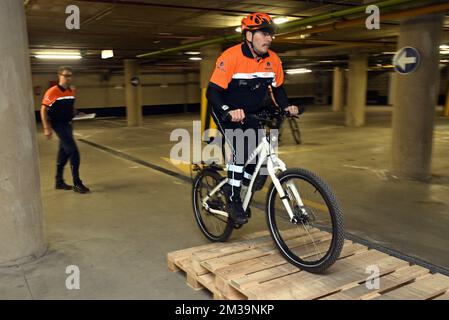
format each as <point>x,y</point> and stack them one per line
<point>236,115</point>
<point>292,110</point>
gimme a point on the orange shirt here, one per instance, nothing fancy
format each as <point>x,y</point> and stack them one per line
<point>245,79</point>
<point>60,103</point>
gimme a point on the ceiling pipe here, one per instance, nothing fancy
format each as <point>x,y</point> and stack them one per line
<point>341,49</point>
<point>293,24</point>
<point>436,8</point>
<point>170,6</point>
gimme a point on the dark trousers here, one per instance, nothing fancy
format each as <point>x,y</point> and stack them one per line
<point>68,150</point>
<point>241,150</point>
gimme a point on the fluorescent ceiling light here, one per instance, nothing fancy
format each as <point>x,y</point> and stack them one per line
<point>58,54</point>
<point>444,47</point>
<point>195,58</point>
<point>192,52</point>
<point>106,54</point>
<point>58,57</point>
<point>280,20</point>
<point>238,29</point>
<point>388,52</point>
<point>298,71</point>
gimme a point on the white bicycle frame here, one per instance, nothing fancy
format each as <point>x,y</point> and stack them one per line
<point>266,152</point>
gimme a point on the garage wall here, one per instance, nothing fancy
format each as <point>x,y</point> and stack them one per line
<point>180,89</point>
<point>163,89</point>
<point>95,92</point>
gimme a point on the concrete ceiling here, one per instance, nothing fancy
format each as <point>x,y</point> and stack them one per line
<point>139,26</point>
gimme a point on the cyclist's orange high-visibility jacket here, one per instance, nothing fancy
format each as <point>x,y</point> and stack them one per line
<point>243,80</point>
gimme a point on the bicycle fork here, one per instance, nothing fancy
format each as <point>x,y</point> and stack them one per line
<point>272,165</point>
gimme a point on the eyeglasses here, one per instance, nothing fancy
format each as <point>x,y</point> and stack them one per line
<point>267,34</point>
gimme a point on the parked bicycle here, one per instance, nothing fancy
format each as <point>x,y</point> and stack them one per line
<point>279,121</point>
<point>279,124</point>
<point>303,215</point>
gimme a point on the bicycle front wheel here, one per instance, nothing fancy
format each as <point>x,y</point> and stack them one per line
<point>314,238</point>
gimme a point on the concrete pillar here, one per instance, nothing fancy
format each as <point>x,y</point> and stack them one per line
<point>414,109</point>
<point>21,225</point>
<point>338,90</point>
<point>133,93</point>
<point>392,88</point>
<point>357,85</point>
<point>209,55</point>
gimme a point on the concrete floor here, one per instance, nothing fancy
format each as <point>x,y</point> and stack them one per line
<point>119,234</point>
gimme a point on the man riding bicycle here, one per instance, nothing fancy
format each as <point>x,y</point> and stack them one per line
<point>238,87</point>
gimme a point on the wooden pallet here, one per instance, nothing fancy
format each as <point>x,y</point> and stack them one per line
<point>252,268</point>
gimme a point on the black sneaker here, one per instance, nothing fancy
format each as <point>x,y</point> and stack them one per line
<point>234,206</point>
<point>80,188</point>
<point>236,212</point>
<point>61,185</point>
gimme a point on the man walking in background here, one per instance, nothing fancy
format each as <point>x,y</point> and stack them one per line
<point>57,112</point>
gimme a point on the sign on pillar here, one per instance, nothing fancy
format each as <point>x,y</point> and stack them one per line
<point>406,60</point>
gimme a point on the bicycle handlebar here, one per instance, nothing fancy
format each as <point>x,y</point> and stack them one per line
<point>269,117</point>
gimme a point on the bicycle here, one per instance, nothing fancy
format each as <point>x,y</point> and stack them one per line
<point>297,202</point>
<point>293,124</point>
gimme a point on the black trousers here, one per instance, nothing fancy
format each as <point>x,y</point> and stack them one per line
<point>68,150</point>
<point>242,139</point>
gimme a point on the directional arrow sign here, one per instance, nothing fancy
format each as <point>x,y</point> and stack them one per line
<point>135,81</point>
<point>406,60</point>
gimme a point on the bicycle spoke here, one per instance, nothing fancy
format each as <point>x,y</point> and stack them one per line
<point>316,215</point>
<point>212,224</point>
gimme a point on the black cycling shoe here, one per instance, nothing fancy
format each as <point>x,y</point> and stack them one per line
<point>61,185</point>
<point>234,206</point>
<point>80,188</point>
<point>236,212</point>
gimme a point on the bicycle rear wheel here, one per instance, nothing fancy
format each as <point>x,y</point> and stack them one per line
<point>214,226</point>
<point>314,240</point>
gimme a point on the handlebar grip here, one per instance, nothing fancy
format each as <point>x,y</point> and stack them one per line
<point>226,117</point>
